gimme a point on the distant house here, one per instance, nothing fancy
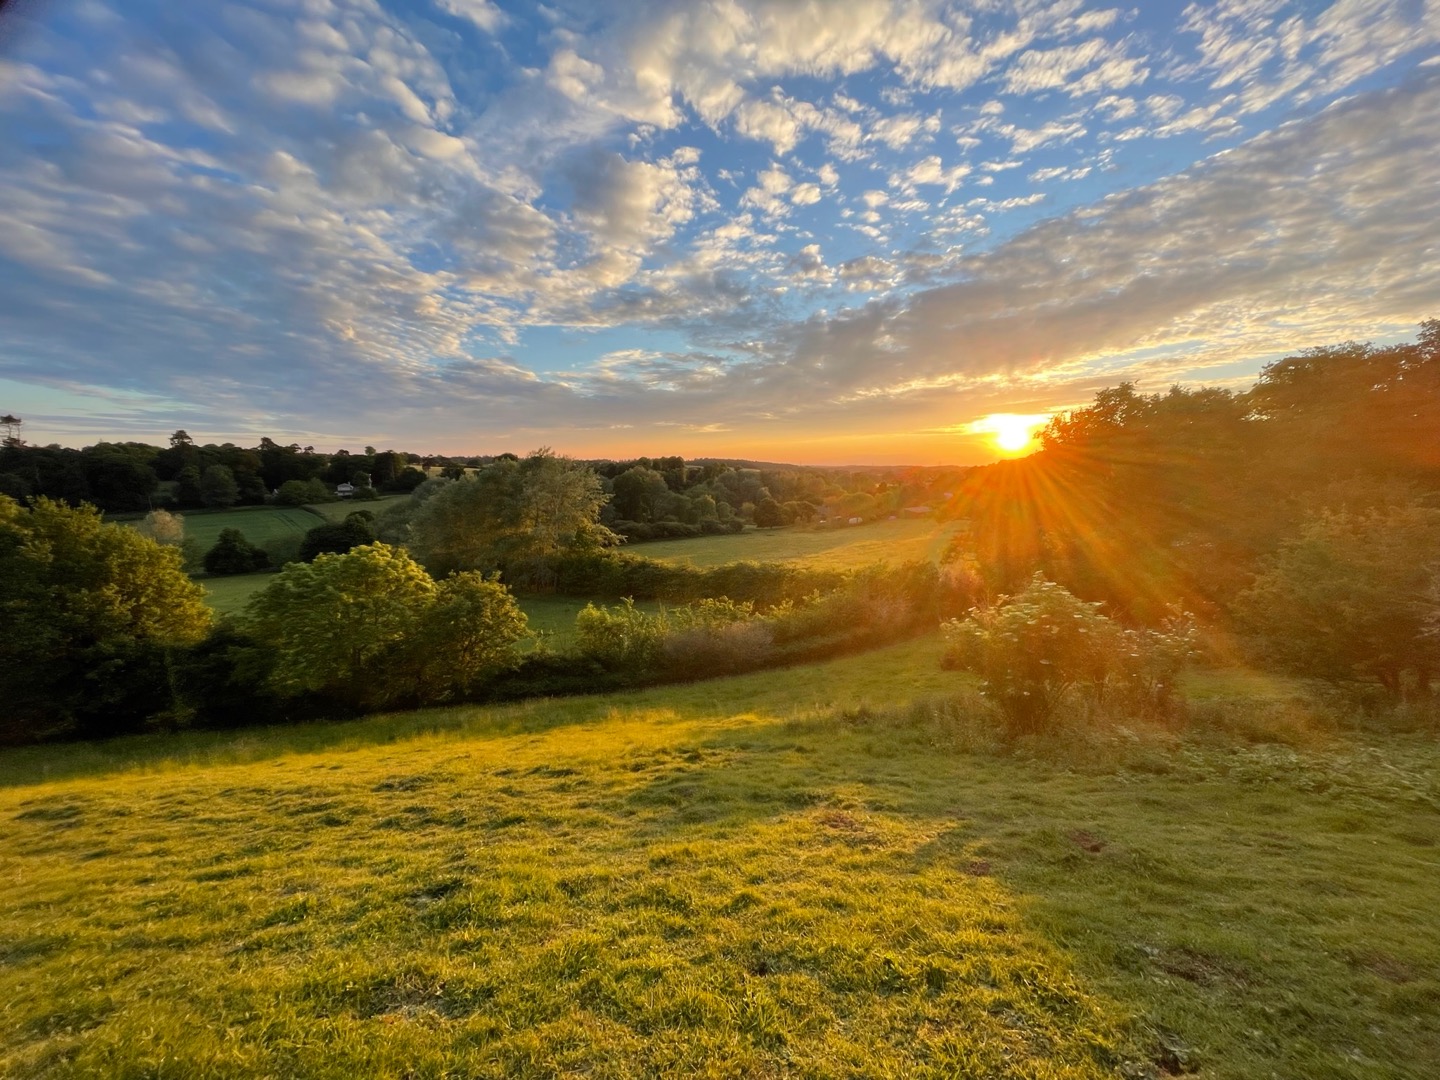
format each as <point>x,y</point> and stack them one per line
<point>856,520</point>
<point>345,490</point>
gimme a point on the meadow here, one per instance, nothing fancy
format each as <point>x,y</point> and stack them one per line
<point>830,872</point>
<point>839,547</point>
<point>260,524</point>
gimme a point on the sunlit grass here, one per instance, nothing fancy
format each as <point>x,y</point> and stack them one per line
<point>838,547</point>
<point>780,874</point>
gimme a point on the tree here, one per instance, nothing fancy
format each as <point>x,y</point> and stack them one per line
<point>218,488</point>
<point>303,492</point>
<point>337,537</point>
<point>516,517</point>
<point>164,528</point>
<point>187,487</point>
<point>469,631</point>
<point>637,491</point>
<point>87,612</point>
<point>370,627</point>
<point>768,514</point>
<point>1348,597</point>
<point>11,423</point>
<point>233,554</point>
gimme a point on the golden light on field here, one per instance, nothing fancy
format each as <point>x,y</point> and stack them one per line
<point>1010,432</point>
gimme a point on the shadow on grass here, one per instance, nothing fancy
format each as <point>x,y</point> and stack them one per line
<point>895,673</point>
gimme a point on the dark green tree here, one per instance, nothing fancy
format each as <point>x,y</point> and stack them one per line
<point>338,537</point>
<point>233,554</point>
<point>218,488</point>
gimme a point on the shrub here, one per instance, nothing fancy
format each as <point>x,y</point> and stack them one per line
<point>620,637</point>
<point>1038,648</point>
<point>233,554</point>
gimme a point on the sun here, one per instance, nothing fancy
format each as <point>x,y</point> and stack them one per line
<point>1010,432</point>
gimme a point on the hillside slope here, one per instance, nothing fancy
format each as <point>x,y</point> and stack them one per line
<point>775,875</point>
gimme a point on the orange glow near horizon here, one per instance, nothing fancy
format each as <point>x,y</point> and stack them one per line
<point>1010,433</point>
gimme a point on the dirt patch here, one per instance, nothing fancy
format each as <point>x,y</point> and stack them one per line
<point>1087,841</point>
<point>838,819</point>
<point>978,868</point>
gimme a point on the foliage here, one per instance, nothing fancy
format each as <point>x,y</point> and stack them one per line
<point>620,637</point>
<point>469,631</point>
<point>1350,597</point>
<point>335,623</point>
<point>338,537</point>
<point>1144,500</point>
<point>370,627</point>
<point>218,488</point>
<point>301,492</point>
<point>519,517</point>
<point>1040,647</point>
<point>87,611</point>
<point>233,554</point>
<point>769,514</point>
<point>164,528</point>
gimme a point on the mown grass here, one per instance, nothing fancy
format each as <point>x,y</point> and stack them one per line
<point>773,875</point>
<point>844,547</point>
<point>339,510</point>
<point>260,524</point>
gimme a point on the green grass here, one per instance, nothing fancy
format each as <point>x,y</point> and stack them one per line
<point>838,548</point>
<point>259,523</point>
<point>773,875</point>
<point>229,595</point>
<point>337,511</point>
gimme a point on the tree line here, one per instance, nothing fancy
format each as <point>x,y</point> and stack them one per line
<point>1299,519</point>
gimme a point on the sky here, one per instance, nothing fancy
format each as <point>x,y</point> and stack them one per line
<point>834,231</point>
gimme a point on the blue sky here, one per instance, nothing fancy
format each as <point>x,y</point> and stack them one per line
<point>834,231</point>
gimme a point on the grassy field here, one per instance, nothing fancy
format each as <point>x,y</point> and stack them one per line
<point>842,547</point>
<point>336,511</point>
<point>785,874</point>
<point>259,523</point>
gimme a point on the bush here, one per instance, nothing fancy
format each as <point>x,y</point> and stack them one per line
<point>622,637</point>
<point>233,554</point>
<point>1038,648</point>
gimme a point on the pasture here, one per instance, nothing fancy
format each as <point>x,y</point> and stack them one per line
<point>841,547</point>
<point>260,524</point>
<point>823,872</point>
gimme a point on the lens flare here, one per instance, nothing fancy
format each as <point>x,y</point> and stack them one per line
<point>1010,432</point>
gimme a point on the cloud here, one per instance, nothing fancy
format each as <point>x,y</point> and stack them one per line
<point>482,13</point>
<point>398,211</point>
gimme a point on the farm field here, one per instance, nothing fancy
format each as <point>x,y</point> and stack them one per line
<point>260,524</point>
<point>337,511</point>
<point>838,548</point>
<point>815,872</point>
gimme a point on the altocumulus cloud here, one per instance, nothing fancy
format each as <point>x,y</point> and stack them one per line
<point>424,220</point>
